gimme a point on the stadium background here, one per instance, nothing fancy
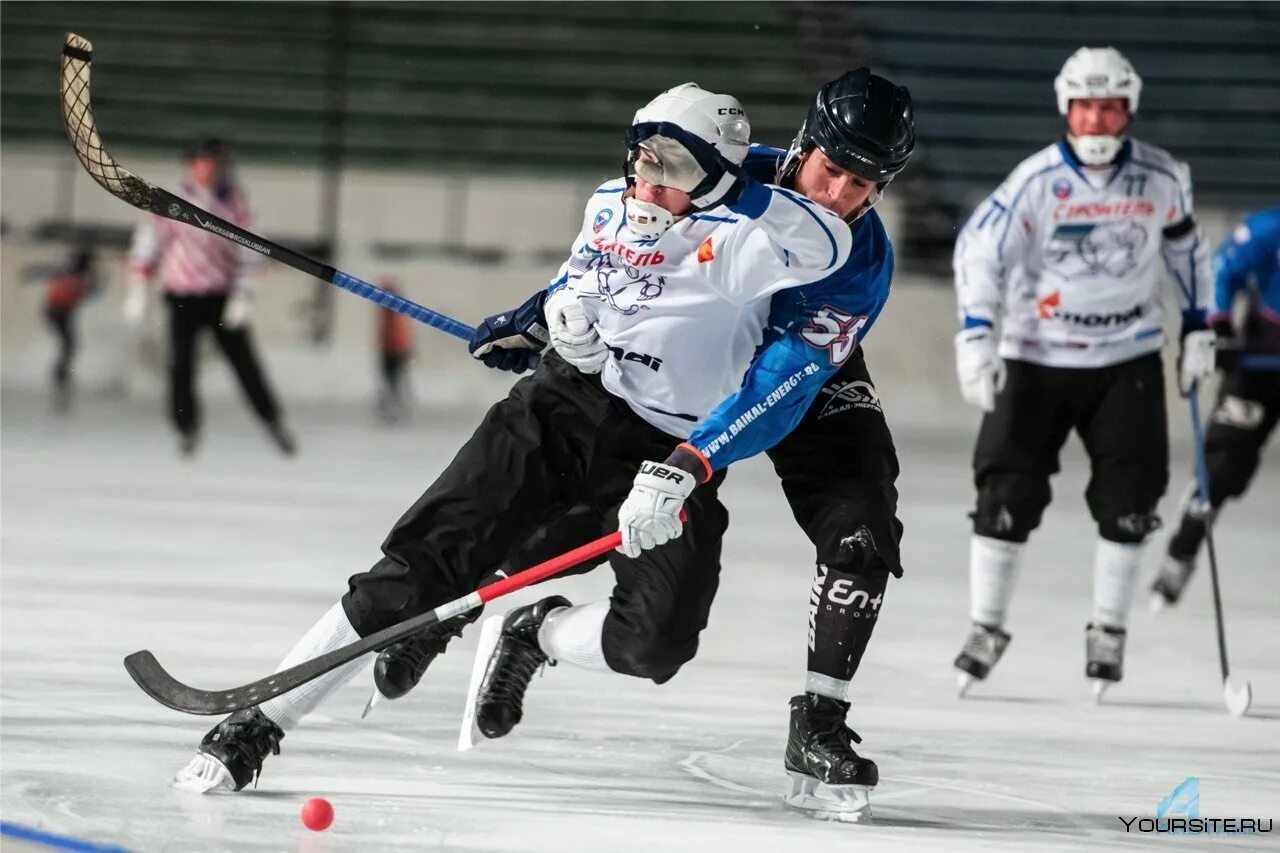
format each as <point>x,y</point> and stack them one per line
<point>450,144</point>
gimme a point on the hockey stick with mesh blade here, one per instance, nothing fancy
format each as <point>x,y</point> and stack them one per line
<point>77,56</point>
<point>168,691</point>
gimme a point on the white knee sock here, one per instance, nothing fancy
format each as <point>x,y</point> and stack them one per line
<point>993,571</point>
<point>333,631</point>
<point>576,635</point>
<point>1115,575</point>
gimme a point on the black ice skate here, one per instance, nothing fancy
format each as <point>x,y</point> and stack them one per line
<point>1171,580</point>
<point>1104,650</point>
<point>506,659</point>
<point>981,652</point>
<point>231,754</point>
<point>828,779</point>
<point>400,666</point>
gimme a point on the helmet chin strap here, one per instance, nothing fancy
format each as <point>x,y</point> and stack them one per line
<point>1095,150</point>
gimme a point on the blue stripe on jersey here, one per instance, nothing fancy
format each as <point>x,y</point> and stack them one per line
<point>603,191</point>
<point>835,249</point>
<point>1013,205</point>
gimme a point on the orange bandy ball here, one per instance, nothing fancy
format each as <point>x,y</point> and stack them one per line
<point>317,814</point>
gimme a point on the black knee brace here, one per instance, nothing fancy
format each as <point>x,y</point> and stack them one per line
<point>1010,506</point>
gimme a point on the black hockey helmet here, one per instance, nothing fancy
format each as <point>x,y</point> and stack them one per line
<point>863,122</point>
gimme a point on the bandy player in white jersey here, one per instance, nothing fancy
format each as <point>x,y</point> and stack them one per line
<point>686,269</point>
<point>1068,258</point>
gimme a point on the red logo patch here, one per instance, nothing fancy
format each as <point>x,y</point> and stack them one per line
<point>1046,305</point>
<point>705,253</point>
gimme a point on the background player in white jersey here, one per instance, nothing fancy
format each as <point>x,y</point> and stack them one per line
<point>563,437</point>
<point>205,286</point>
<point>1247,264</point>
<point>1067,256</point>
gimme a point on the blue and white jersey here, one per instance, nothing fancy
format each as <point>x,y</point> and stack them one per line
<point>1249,261</point>
<point>723,329</point>
<point>1069,259</point>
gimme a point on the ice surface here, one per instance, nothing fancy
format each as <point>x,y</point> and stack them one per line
<point>112,544</point>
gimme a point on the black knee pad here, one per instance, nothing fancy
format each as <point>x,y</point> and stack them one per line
<point>862,552</point>
<point>654,658</point>
<point>1130,528</point>
<point>1010,506</point>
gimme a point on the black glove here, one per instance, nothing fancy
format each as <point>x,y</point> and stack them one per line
<point>513,340</point>
<point>1228,345</point>
<point>689,163</point>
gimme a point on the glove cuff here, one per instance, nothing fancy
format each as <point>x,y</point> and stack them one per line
<point>688,458</point>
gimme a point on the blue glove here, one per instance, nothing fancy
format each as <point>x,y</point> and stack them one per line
<point>513,340</point>
<point>686,162</point>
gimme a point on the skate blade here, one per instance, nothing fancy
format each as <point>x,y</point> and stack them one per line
<point>374,698</point>
<point>818,800</point>
<point>963,682</point>
<point>470,735</point>
<point>1100,687</point>
<point>203,774</point>
<point>1237,696</point>
<point>1158,603</point>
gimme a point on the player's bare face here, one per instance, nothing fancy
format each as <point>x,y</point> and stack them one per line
<point>673,201</point>
<point>203,171</point>
<point>1098,116</point>
<point>839,191</point>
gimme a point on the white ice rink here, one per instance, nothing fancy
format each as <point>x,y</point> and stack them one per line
<point>112,544</point>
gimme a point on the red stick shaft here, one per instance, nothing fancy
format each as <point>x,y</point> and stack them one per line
<point>554,566</point>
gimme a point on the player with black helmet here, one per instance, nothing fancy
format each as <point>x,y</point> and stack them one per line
<point>836,459</point>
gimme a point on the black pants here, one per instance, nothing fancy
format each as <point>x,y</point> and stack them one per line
<point>838,469</point>
<point>1246,414</point>
<point>61,320</point>
<point>557,442</point>
<point>1119,413</point>
<point>187,316</point>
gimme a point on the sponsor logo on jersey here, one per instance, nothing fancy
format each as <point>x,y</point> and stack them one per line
<point>705,252</point>
<point>835,331</point>
<point>602,219</point>
<point>1094,249</point>
<point>843,395</point>
<point>1126,208</point>
<point>1062,189</point>
<point>650,361</point>
<point>622,287</point>
<point>1050,308</point>
<point>629,254</point>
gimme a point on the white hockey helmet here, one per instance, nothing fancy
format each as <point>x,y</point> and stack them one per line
<point>1097,72</point>
<point>719,119</point>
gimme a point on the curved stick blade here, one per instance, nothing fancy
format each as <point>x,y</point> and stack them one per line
<point>157,683</point>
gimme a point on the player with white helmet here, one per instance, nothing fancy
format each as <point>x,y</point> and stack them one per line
<point>835,458</point>
<point>1067,257</point>
<point>658,333</point>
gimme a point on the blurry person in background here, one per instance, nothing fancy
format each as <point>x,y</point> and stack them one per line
<point>1068,256</point>
<point>203,277</point>
<point>1249,400</point>
<point>63,293</point>
<point>395,351</point>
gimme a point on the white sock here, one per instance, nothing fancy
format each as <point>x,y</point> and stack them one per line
<point>333,631</point>
<point>825,685</point>
<point>993,571</point>
<point>576,635</point>
<point>1115,576</point>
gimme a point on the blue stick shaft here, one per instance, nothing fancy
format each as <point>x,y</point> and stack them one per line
<point>1260,362</point>
<point>400,305</point>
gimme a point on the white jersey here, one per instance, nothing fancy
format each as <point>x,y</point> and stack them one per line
<point>684,314</point>
<point>1069,259</point>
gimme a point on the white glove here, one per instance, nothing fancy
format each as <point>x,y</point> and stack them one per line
<point>980,370</point>
<point>572,334</point>
<point>135,302</point>
<point>650,516</point>
<point>235,314</point>
<point>1198,358</point>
